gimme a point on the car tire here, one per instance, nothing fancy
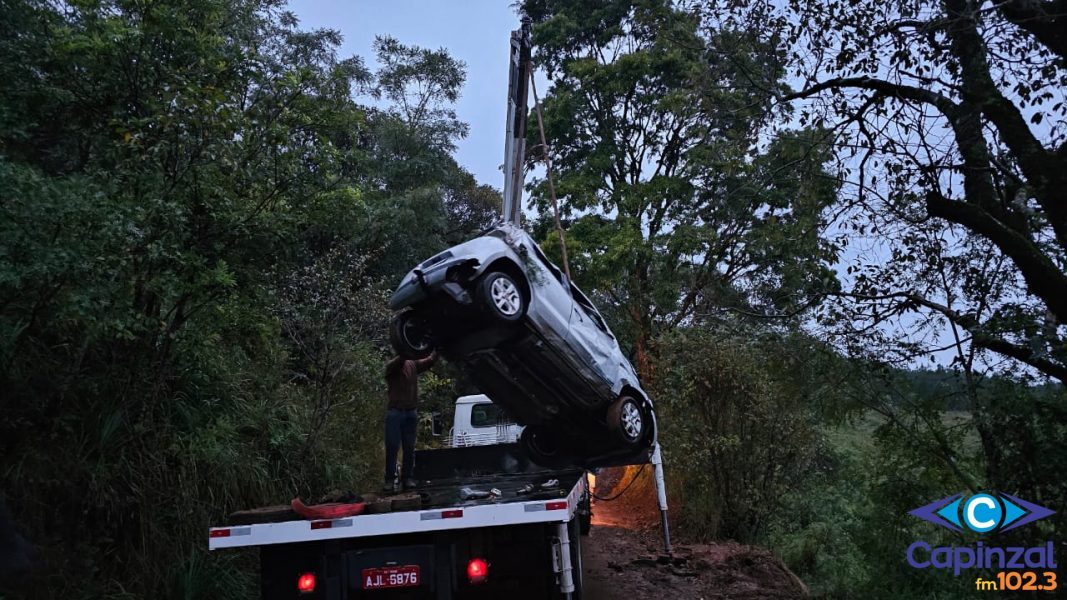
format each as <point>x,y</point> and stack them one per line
<point>410,336</point>
<point>540,445</point>
<point>628,420</point>
<point>501,297</point>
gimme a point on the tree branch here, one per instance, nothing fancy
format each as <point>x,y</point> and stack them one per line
<point>1043,278</point>
<point>1040,166</point>
<point>894,90</point>
<point>979,337</point>
<point>1046,21</point>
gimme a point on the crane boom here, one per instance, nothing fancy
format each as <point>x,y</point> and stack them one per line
<point>515,142</point>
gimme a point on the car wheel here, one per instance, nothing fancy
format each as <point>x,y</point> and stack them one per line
<point>501,296</point>
<point>410,336</point>
<point>627,420</point>
<point>540,445</point>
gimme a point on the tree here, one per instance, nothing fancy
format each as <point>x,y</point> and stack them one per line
<point>953,112</point>
<point>154,173</point>
<point>422,199</point>
<point>675,207</point>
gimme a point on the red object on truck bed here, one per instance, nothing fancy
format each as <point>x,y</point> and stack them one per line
<point>332,510</point>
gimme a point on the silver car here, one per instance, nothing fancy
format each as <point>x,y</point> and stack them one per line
<point>533,342</point>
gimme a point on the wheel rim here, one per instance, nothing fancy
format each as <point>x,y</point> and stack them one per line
<point>506,296</point>
<point>631,420</point>
<point>415,336</point>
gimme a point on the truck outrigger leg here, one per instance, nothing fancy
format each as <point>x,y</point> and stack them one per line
<point>661,497</point>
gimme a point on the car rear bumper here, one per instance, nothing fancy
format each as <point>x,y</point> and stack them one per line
<point>420,285</point>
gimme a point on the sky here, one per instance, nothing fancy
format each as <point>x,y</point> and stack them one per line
<point>478,32</point>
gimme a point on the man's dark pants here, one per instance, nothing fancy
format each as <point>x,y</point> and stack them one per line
<point>400,429</point>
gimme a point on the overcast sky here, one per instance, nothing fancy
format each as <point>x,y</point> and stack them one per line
<point>474,31</point>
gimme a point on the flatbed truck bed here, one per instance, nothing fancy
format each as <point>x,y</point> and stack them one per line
<point>525,538</point>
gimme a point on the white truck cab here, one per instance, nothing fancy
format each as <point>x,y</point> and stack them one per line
<point>479,422</point>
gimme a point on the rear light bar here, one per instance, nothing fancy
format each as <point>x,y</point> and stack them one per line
<point>331,524</point>
<point>229,531</point>
<point>444,514</point>
<point>554,505</point>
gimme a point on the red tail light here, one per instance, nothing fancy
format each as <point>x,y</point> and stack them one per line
<point>306,583</point>
<point>477,571</point>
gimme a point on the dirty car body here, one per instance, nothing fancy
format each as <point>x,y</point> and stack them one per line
<point>533,342</point>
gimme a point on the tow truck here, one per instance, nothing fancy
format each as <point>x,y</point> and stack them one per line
<point>487,521</point>
<point>491,524</point>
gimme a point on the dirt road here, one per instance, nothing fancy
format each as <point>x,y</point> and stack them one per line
<point>623,558</point>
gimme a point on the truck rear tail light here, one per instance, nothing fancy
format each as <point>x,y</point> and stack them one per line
<point>306,583</point>
<point>556,505</point>
<point>477,571</point>
<point>217,533</point>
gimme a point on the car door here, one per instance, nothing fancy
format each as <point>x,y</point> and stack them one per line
<point>551,302</point>
<point>592,341</point>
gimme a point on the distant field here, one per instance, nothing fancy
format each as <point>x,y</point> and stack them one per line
<point>858,434</point>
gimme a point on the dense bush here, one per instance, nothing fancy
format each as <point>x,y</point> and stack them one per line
<point>733,431</point>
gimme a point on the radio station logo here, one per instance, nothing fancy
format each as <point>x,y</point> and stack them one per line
<point>985,514</point>
<point>981,513</point>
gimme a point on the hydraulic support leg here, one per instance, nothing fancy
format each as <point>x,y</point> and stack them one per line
<point>562,562</point>
<point>661,497</point>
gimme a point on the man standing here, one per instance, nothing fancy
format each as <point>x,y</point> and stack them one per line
<point>402,419</point>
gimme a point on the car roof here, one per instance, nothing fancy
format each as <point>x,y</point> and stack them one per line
<point>473,399</point>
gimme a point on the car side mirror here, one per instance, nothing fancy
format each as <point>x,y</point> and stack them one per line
<point>437,424</point>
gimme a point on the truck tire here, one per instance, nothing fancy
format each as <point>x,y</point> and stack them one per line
<point>576,559</point>
<point>501,297</point>
<point>628,421</point>
<point>584,512</point>
<point>410,336</point>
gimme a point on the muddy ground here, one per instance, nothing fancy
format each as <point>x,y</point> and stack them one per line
<point>623,558</point>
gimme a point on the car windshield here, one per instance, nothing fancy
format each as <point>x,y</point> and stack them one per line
<point>548,264</point>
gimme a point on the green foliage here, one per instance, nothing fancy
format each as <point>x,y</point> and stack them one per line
<point>674,207</point>
<point>197,232</point>
<point>745,431</point>
<point>823,529</point>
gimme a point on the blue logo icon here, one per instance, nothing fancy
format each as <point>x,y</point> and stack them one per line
<point>981,513</point>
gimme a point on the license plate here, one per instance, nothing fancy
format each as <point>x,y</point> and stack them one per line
<point>391,577</point>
